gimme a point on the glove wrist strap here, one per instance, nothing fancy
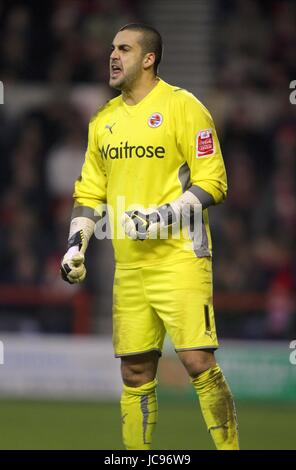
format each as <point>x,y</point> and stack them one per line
<point>81,230</point>
<point>183,207</point>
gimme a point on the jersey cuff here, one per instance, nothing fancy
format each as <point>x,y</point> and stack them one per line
<point>84,211</point>
<point>205,198</point>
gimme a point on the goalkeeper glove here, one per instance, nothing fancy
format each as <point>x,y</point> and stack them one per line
<point>147,223</point>
<point>72,266</point>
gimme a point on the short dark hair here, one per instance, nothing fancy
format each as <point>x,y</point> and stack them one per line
<point>151,42</point>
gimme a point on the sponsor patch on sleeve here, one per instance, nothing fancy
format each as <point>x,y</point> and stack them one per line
<point>204,143</point>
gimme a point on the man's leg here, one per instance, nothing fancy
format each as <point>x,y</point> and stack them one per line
<point>215,397</point>
<point>138,399</point>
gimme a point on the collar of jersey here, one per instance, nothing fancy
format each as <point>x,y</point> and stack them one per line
<point>133,108</point>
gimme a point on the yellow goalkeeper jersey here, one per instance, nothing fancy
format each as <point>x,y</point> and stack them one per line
<point>147,155</point>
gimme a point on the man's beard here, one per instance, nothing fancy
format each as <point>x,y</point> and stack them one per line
<point>126,83</point>
<point>118,86</point>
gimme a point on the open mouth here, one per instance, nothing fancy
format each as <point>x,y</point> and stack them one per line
<point>115,71</point>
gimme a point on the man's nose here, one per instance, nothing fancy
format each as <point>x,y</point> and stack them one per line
<point>114,54</point>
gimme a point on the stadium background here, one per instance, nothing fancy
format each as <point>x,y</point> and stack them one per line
<point>59,384</point>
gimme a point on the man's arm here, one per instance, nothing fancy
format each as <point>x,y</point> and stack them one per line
<point>201,149</point>
<point>197,137</point>
<point>89,196</point>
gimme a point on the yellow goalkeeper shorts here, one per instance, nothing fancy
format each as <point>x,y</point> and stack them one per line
<point>174,298</point>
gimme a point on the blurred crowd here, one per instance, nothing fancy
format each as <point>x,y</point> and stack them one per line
<point>50,45</point>
<point>59,40</point>
<point>43,156</point>
<point>255,237</point>
<point>68,42</point>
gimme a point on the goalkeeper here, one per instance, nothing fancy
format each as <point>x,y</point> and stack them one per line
<point>155,147</point>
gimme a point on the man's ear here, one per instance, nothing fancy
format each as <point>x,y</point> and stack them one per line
<point>149,60</point>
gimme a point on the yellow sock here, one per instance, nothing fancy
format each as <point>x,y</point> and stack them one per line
<point>139,414</point>
<point>218,408</point>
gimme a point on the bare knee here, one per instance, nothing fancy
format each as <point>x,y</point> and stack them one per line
<point>197,361</point>
<point>139,369</point>
<point>135,375</point>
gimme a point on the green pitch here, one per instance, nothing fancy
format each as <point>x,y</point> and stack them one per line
<point>71,425</point>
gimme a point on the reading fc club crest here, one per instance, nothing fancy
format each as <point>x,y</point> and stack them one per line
<point>155,120</point>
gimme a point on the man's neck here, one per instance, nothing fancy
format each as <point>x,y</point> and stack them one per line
<point>138,91</point>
